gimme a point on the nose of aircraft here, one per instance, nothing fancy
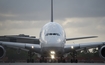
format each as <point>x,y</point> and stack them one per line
<point>53,40</point>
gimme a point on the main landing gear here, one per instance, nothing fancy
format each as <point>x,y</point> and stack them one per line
<point>42,59</point>
<point>61,60</point>
<point>30,60</point>
<point>74,55</point>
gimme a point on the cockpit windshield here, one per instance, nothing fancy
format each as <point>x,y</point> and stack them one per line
<point>53,34</point>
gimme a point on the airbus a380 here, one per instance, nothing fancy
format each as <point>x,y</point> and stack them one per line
<point>52,43</point>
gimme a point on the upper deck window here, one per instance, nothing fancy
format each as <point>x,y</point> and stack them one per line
<point>53,34</point>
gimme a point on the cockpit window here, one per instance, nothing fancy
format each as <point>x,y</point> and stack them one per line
<point>53,34</point>
<point>50,34</point>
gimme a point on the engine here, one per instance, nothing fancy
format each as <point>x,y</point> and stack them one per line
<point>2,52</point>
<point>102,52</point>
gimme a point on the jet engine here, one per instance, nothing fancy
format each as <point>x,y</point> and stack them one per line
<point>102,52</point>
<point>2,52</point>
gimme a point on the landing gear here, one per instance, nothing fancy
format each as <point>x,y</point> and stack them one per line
<point>74,61</point>
<point>61,60</point>
<point>30,60</point>
<point>74,55</point>
<point>43,60</point>
<point>30,54</point>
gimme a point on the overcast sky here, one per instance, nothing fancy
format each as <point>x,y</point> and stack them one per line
<point>78,17</point>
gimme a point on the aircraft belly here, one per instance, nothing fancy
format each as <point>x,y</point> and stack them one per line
<point>46,51</point>
<point>47,48</point>
<point>52,49</point>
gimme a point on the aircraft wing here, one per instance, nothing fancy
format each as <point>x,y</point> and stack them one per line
<point>70,47</point>
<point>67,39</point>
<point>26,46</point>
<point>20,39</point>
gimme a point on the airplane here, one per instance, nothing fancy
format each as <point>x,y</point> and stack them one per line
<point>52,44</point>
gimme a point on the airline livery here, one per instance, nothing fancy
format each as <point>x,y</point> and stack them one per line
<point>51,44</point>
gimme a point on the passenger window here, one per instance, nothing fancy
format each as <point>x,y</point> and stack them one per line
<point>47,34</point>
<point>58,34</point>
<point>50,33</point>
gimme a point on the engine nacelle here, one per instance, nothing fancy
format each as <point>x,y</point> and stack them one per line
<point>2,52</point>
<point>102,52</point>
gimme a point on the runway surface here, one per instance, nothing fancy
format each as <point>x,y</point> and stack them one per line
<point>52,63</point>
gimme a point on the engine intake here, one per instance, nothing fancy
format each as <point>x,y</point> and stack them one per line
<point>2,52</point>
<point>102,52</point>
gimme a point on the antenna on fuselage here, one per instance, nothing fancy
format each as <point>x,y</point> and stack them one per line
<point>51,10</point>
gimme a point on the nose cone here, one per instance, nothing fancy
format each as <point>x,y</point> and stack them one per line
<point>53,40</point>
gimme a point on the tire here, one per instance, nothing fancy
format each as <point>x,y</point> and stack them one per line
<point>32,60</point>
<point>76,61</point>
<point>71,60</point>
<point>28,60</point>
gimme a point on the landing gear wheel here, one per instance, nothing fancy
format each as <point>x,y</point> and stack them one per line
<point>74,61</point>
<point>43,60</point>
<point>74,55</point>
<point>71,61</point>
<point>30,54</point>
<point>32,60</point>
<point>28,60</point>
<point>59,60</point>
<point>40,60</point>
<point>63,61</point>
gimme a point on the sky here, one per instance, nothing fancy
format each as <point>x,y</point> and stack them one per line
<point>77,17</point>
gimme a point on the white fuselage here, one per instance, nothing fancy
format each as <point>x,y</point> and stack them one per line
<point>52,38</point>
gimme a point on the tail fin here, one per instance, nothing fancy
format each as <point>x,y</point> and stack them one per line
<point>51,10</point>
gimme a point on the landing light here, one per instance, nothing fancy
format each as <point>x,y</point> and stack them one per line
<point>52,52</point>
<point>72,47</point>
<point>32,47</point>
<point>52,57</point>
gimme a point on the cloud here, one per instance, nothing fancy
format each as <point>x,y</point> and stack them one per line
<point>24,10</point>
<point>95,25</point>
<point>21,24</point>
<point>30,10</point>
<point>78,17</point>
